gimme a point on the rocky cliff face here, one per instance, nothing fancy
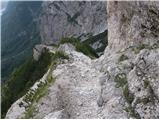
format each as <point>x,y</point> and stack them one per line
<point>85,20</point>
<point>122,83</point>
<point>69,18</point>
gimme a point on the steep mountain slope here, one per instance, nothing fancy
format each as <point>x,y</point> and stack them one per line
<point>25,24</point>
<point>122,83</point>
<point>19,34</point>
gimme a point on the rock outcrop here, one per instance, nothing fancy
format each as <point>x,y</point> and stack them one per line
<point>122,83</point>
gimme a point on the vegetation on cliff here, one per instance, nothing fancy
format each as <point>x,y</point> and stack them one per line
<point>22,79</point>
<point>80,46</point>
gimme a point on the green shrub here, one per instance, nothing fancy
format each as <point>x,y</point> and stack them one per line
<point>33,97</point>
<point>127,95</point>
<point>102,38</point>
<point>132,112</point>
<point>71,40</point>
<point>120,79</point>
<point>122,58</point>
<point>30,112</point>
<point>81,47</point>
<point>59,54</point>
<point>146,83</point>
<point>138,48</point>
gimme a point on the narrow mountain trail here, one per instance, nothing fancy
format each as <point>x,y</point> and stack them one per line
<point>78,91</point>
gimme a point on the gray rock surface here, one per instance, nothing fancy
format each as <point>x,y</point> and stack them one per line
<point>133,22</point>
<point>57,115</point>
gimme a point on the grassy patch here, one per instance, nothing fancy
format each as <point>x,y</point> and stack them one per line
<point>127,95</point>
<point>122,58</point>
<point>146,83</point>
<point>138,48</point>
<point>59,55</point>
<point>120,79</point>
<point>30,112</point>
<point>81,47</point>
<point>132,112</point>
<point>33,97</point>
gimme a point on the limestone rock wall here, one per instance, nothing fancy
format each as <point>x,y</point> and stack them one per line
<point>132,23</point>
<point>72,18</point>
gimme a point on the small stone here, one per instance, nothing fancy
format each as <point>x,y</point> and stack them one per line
<point>102,80</point>
<point>100,101</point>
<point>80,103</point>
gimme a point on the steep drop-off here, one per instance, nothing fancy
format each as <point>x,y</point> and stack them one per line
<point>19,34</point>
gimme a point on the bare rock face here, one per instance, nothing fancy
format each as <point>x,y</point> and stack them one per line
<point>132,23</point>
<point>122,83</point>
<point>72,18</point>
<point>131,58</point>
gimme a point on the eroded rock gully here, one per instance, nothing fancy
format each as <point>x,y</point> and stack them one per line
<point>122,83</point>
